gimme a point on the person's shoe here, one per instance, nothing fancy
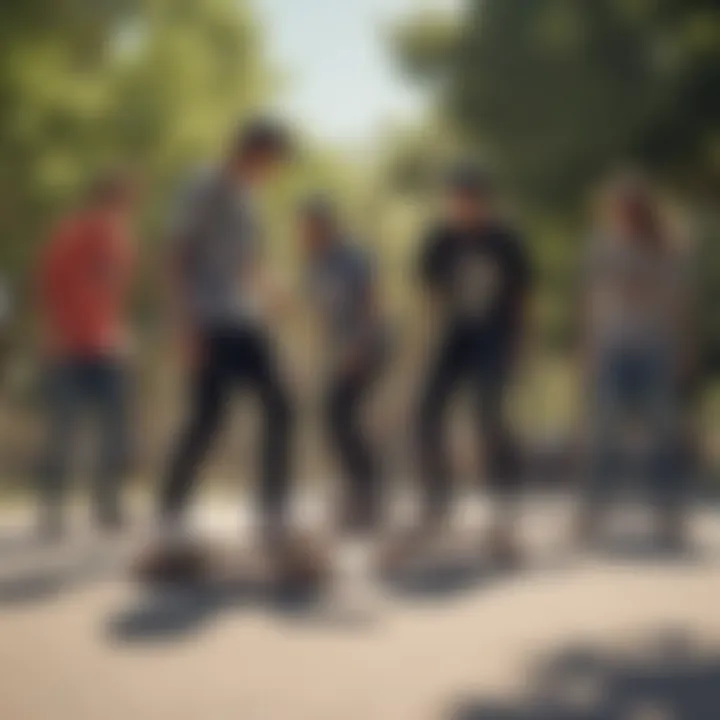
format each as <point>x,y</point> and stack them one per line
<point>503,548</point>
<point>298,564</point>
<point>358,517</point>
<point>353,598</point>
<point>672,533</point>
<point>410,544</point>
<point>181,562</point>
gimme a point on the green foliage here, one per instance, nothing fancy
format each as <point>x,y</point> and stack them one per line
<point>559,90</point>
<point>153,84</point>
<point>425,44</point>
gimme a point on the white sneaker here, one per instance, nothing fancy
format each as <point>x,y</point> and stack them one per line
<point>354,597</point>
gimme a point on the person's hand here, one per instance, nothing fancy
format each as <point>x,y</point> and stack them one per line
<point>267,298</point>
<point>278,303</point>
<point>190,348</point>
<point>353,360</point>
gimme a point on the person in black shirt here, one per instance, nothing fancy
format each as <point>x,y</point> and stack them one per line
<point>476,273</point>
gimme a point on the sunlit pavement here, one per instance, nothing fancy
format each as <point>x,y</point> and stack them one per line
<point>79,640</point>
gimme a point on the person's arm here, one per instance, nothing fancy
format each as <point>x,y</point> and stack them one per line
<point>129,264</point>
<point>269,294</point>
<point>184,233</point>
<point>181,319</point>
<point>125,262</point>
<point>521,269</point>
<point>365,280</point>
<point>430,273</point>
<point>273,298</point>
<point>686,322</point>
<point>585,317</point>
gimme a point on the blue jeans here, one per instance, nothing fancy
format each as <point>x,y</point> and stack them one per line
<point>636,387</point>
<point>74,388</point>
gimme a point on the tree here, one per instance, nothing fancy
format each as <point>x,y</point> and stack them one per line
<point>559,90</point>
<point>86,84</point>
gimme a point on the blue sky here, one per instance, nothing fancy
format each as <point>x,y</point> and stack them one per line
<point>343,85</point>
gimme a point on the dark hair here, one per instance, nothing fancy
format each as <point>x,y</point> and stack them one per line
<point>471,179</point>
<point>108,187</point>
<point>636,200</point>
<point>262,136</point>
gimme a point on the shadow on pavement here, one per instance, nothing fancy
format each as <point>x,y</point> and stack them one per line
<point>172,612</point>
<point>442,578</point>
<point>645,549</point>
<point>42,572</point>
<point>665,678</point>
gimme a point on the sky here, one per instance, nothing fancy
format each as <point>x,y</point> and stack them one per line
<point>343,86</point>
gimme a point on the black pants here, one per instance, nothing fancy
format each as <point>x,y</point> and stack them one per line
<point>462,360</point>
<point>230,359</point>
<point>359,465</point>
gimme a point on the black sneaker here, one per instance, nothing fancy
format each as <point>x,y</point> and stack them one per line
<point>176,563</point>
<point>503,548</point>
<point>299,564</point>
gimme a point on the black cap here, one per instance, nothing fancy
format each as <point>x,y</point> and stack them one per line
<point>263,134</point>
<point>470,178</point>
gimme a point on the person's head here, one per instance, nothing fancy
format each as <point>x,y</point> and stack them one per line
<point>258,149</point>
<point>111,194</point>
<point>629,211</point>
<point>469,195</point>
<point>318,223</point>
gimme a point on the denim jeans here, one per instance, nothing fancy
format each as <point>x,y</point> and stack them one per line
<point>635,391</point>
<point>76,388</point>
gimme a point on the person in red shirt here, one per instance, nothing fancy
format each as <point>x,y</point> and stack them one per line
<point>85,273</point>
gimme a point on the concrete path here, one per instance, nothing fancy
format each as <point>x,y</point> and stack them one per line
<point>583,637</point>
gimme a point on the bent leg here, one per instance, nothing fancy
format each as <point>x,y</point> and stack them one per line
<point>208,393</point>
<point>351,446</point>
<point>263,376</point>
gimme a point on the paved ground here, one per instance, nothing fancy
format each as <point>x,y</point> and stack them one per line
<point>617,635</point>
